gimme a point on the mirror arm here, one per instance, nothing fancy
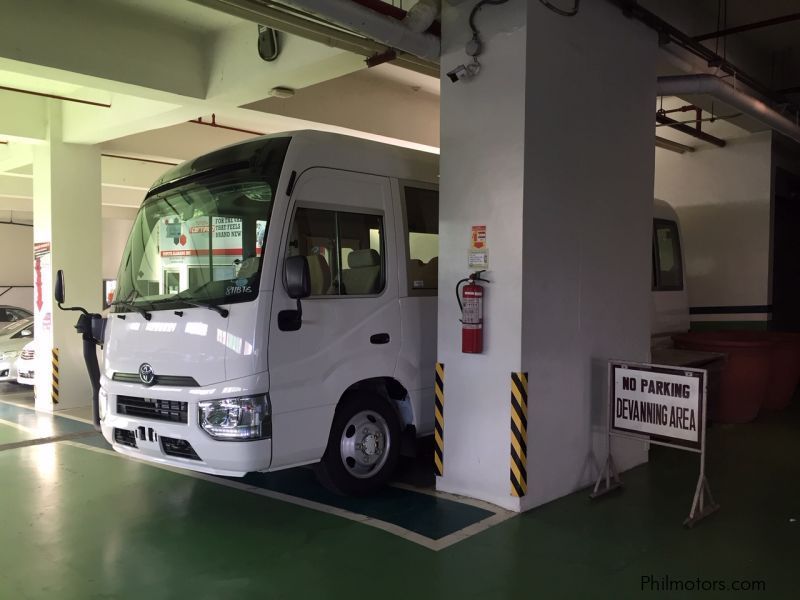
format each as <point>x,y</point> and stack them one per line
<point>80,308</point>
<point>299,311</point>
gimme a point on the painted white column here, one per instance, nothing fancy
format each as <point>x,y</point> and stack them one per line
<point>67,235</point>
<point>551,148</point>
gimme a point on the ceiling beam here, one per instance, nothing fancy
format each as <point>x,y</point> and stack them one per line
<point>22,117</point>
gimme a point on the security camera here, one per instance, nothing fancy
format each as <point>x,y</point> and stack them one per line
<point>462,72</point>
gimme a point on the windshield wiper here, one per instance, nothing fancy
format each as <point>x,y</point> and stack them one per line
<point>134,307</point>
<point>224,312</point>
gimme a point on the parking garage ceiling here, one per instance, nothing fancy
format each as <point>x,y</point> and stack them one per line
<point>166,64</point>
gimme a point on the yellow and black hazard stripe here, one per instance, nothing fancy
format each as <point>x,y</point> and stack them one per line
<point>438,434</point>
<point>54,391</point>
<point>519,434</point>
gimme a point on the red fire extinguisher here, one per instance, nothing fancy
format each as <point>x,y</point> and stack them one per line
<point>470,301</point>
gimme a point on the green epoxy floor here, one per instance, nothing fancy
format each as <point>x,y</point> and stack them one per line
<point>77,523</point>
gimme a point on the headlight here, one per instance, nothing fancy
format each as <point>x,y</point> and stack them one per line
<point>10,355</point>
<point>102,403</point>
<point>236,418</point>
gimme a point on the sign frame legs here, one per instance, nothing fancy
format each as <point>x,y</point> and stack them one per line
<point>608,474</point>
<point>703,503</point>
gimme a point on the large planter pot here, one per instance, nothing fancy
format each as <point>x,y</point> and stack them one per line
<point>784,366</point>
<point>745,380</point>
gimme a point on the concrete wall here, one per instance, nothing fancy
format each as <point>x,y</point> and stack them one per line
<point>482,168</point>
<point>723,200</point>
<point>16,257</point>
<point>587,215</point>
<point>566,197</point>
<point>16,264</point>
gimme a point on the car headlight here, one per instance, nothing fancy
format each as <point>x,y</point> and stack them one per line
<point>10,355</point>
<point>236,418</point>
<point>102,403</point>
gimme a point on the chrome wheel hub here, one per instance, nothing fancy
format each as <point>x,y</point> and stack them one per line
<point>364,445</point>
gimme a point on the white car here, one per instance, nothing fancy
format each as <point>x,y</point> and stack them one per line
<point>25,364</point>
<point>13,336</point>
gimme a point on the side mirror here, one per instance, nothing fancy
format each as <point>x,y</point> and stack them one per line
<point>298,285</point>
<point>59,287</point>
<point>26,333</point>
<point>58,292</point>
<point>298,279</point>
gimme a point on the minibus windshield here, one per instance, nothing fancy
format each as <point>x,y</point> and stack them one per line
<point>200,242</point>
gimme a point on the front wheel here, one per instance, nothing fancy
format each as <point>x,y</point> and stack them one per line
<point>363,447</point>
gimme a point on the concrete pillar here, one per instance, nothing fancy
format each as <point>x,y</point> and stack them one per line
<point>551,148</point>
<point>67,235</point>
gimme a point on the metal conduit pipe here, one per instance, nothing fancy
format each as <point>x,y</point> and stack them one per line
<point>294,23</point>
<point>422,15</point>
<point>371,24</point>
<point>683,85</point>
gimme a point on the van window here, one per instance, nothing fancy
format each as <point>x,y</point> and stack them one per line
<point>422,220</point>
<point>667,263</point>
<point>344,251</point>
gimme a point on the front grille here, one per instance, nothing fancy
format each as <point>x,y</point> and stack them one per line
<point>150,408</point>
<point>171,380</point>
<point>179,448</point>
<point>28,354</point>
<point>125,437</point>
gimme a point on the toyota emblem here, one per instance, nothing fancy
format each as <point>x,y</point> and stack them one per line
<point>146,374</point>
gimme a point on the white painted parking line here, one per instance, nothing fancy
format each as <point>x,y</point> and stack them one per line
<point>44,440</point>
<point>4,400</point>
<point>500,515</point>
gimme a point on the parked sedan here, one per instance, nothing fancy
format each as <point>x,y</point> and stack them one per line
<point>13,337</point>
<point>25,364</point>
<point>11,314</point>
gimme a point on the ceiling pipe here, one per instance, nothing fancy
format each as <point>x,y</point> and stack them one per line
<point>669,33</point>
<point>672,146</point>
<point>54,96</point>
<point>422,16</point>
<point>296,23</point>
<point>687,85</point>
<point>146,160</point>
<point>692,131</point>
<point>749,27</point>
<point>213,123</point>
<point>381,28</point>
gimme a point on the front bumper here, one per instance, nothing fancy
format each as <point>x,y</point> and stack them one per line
<point>151,438</point>
<point>8,371</point>
<point>25,372</point>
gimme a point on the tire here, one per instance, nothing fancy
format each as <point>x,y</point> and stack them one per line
<point>363,446</point>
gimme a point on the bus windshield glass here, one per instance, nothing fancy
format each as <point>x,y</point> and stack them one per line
<point>201,242</point>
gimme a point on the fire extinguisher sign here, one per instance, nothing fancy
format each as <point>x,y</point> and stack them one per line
<point>478,250</point>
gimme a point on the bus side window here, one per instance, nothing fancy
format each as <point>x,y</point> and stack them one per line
<point>667,261</point>
<point>313,235</point>
<point>422,221</point>
<point>344,251</point>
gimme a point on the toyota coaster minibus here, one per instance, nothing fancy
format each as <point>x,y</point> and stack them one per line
<point>276,306</point>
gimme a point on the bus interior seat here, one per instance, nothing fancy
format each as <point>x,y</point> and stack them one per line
<point>423,275</point>
<point>363,274</point>
<point>319,273</point>
<point>248,267</point>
